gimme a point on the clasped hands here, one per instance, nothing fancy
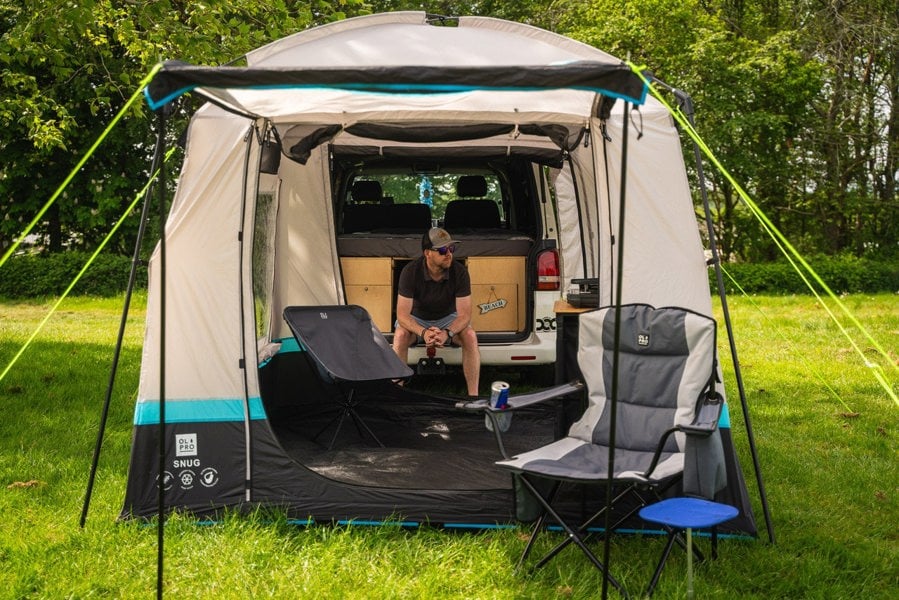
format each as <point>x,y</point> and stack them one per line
<point>434,336</point>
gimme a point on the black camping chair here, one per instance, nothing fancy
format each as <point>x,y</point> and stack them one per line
<point>667,417</point>
<point>349,351</point>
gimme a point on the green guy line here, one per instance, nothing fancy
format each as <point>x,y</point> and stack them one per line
<point>80,164</point>
<point>783,336</point>
<point>83,270</point>
<point>783,243</point>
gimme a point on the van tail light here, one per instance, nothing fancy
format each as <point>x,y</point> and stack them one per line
<point>548,270</point>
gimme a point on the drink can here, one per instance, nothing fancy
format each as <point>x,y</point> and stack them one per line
<point>499,394</point>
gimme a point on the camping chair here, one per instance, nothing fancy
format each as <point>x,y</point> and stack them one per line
<point>349,352</point>
<point>665,398</point>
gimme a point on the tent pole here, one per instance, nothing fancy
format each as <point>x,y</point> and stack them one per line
<point>160,516</point>
<point>686,103</point>
<point>132,276</point>
<point>613,409</point>
<point>241,236</point>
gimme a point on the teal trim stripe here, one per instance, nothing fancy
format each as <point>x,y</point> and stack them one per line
<point>399,88</point>
<point>206,410</point>
<point>289,345</point>
<point>724,419</point>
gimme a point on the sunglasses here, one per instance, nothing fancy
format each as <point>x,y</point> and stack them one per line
<point>445,249</point>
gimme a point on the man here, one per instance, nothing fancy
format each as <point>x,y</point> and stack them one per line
<point>434,303</point>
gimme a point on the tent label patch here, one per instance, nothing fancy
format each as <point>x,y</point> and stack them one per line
<point>642,339</point>
<point>488,306</point>
<point>186,444</point>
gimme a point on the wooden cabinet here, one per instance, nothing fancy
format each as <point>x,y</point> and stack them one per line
<point>369,283</point>
<point>497,293</point>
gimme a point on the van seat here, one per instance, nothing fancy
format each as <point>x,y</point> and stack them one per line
<point>366,191</point>
<point>364,217</point>
<point>415,217</point>
<point>471,214</point>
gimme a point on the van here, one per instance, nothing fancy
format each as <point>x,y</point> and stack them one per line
<point>500,210</point>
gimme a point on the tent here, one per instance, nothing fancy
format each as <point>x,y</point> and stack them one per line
<point>246,237</point>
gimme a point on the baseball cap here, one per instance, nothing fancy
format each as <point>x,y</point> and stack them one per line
<point>436,237</point>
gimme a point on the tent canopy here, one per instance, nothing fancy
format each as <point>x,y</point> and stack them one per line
<point>250,90</point>
<point>481,65</point>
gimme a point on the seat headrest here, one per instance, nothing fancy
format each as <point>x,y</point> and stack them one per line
<point>366,191</point>
<point>471,214</point>
<point>471,186</point>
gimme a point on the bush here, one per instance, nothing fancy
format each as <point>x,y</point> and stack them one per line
<point>29,276</point>
<point>843,274</point>
<point>49,275</point>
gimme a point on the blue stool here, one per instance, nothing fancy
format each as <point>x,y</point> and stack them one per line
<point>686,514</point>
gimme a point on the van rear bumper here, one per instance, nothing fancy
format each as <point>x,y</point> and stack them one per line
<point>537,349</point>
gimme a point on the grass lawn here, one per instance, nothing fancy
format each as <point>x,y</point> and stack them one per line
<point>825,432</point>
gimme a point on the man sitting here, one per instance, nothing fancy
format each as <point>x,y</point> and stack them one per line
<point>434,303</point>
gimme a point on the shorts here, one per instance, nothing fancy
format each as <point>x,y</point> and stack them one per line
<point>441,323</point>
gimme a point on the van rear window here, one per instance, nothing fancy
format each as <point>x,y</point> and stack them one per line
<point>415,201</point>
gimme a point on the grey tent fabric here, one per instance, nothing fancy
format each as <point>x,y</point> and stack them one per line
<point>666,361</point>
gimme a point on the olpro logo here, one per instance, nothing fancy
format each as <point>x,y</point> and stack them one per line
<point>186,444</point>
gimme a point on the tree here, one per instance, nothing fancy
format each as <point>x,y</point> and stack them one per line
<point>752,98</point>
<point>67,68</point>
<point>854,141</point>
<point>799,99</point>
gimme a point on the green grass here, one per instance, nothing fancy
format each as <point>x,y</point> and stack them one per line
<point>825,432</point>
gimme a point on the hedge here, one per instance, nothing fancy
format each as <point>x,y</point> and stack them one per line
<point>48,275</point>
<point>842,274</point>
<point>34,276</point>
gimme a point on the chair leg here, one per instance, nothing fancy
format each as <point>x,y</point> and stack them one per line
<point>689,563</point>
<point>672,535</point>
<point>685,541</point>
<point>541,520</point>
<point>348,409</point>
<point>538,526</point>
<point>360,424</point>
<point>586,524</point>
<point>573,535</point>
<point>340,420</point>
<point>337,417</point>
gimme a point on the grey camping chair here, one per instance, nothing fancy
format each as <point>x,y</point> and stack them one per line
<point>349,352</point>
<point>666,418</point>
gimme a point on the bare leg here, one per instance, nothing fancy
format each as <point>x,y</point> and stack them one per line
<point>402,340</point>
<point>471,359</point>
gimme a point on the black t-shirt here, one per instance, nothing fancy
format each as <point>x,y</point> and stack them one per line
<point>431,299</point>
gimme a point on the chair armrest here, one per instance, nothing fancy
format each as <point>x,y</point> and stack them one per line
<point>516,402</point>
<point>707,415</point>
<point>523,400</point>
<point>704,423</point>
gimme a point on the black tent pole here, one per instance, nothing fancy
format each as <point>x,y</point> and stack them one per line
<point>113,371</point>
<point>613,409</point>
<point>160,516</point>
<point>686,104</point>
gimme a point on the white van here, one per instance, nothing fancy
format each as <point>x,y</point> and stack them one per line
<point>501,209</point>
